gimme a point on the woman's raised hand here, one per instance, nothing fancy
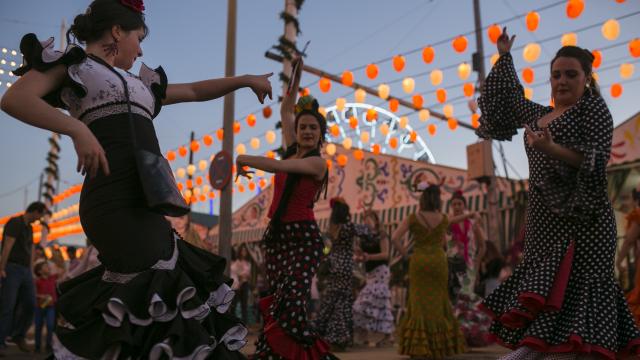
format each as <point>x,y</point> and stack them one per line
<point>261,86</point>
<point>91,155</point>
<point>505,42</point>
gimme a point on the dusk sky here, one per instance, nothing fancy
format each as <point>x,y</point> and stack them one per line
<point>188,37</point>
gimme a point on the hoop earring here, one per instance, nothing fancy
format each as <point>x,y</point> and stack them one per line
<point>111,48</point>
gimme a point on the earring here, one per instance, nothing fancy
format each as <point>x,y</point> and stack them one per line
<point>111,48</point>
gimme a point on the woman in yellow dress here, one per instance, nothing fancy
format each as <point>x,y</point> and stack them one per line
<point>428,329</point>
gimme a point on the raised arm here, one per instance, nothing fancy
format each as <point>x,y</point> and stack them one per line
<point>212,89</point>
<point>314,165</point>
<point>287,107</point>
<point>398,234</point>
<point>24,102</point>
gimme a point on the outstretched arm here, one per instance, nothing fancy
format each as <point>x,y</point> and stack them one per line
<point>212,89</point>
<point>287,107</point>
<point>398,234</point>
<point>314,166</point>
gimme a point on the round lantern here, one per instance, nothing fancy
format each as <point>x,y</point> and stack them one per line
<point>494,58</point>
<point>626,70</point>
<point>384,129</point>
<point>424,115</point>
<point>347,78</point>
<point>207,140</point>
<point>634,47</point>
<point>347,143</point>
<point>270,154</point>
<point>191,169</point>
<point>597,58</point>
<point>202,165</point>
<point>528,93</point>
<point>413,136</point>
<point>251,120</point>
<point>404,121</point>
<point>383,91</point>
<point>364,137</point>
<point>532,20</point>
<point>393,143</point>
<point>322,111</point>
<point>432,128</point>
<point>195,146</point>
<point>182,151</point>
<point>266,112</point>
<point>360,95</point>
<point>452,123</point>
<point>464,70</point>
<point>252,185</point>
<point>468,89</point>
<point>171,155</point>
<point>340,103</point>
<point>342,160</point>
<point>611,29</point>
<point>531,52</point>
<point>569,39</point>
<point>331,149</point>
<point>254,143</point>
<point>236,127</point>
<point>398,63</point>
<point>393,105</point>
<point>574,8</point>
<point>270,136</point>
<point>372,115</point>
<point>417,100</point>
<point>436,77</point>
<point>324,84</point>
<point>475,120</point>
<point>428,54</point>
<point>241,149</point>
<point>528,75</point>
<point>494,31</point>
<point>441,95</point>
<point>181,173</point>
<point>353,122</point>
<point>447,110</point>
<point>358,154</point>
<point>616,90</point>
<point>335,130</point>
<point>375,148</point>
<point>460,44</point>
<point>408,84</point>
<point>372,71</point>
<point>220,134</point>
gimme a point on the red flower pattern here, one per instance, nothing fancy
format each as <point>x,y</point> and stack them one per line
<point>137,5</point>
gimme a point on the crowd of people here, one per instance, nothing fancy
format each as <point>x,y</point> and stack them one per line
<point>155,295</point>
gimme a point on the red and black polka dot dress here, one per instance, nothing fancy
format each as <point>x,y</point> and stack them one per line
<point>563,297</point>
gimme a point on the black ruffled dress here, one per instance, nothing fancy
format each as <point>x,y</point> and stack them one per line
<point>154,296</point>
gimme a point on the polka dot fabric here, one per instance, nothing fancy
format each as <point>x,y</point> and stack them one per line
<point>563,297</point>
<point>293,253</point>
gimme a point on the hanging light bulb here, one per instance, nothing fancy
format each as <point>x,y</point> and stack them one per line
<point>626,70</point>
<point>383,91</point>
<point>436,77</point>
<point>531,52</point>
<point>360,95</point>
<point>191,169</point>
<point>340,103</point>
<point>408,84</point>
<point>347,78</point>
<point>241,149</point>
<point>384,129</point>
<point>255,143</point>
<point>364,137</point>
<point>424,115</point>
<point>447,110</point>
<point>404,121</point>
<point>569,39</point>
<point>611,29</point>
<point>464,70</point>
<point>532,20</point>
<point>202,165</point>
<point>330,149</point>
<point>181,173</point>
<point>347,143</point>
<point>270,136</point>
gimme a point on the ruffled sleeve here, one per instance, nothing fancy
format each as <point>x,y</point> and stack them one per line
<point>503,104</point>
<point>581,193</point>
<point>156,81</point>
<point>41,56</point>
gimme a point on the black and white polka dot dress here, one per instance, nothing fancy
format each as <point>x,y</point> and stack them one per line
<point>563,297</point>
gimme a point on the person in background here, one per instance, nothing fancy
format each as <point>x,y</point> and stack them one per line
<point>241,275</point>
<point>631,238</point>
<point>73,259</point>
<point>16,266</point>
<point>46,297</point>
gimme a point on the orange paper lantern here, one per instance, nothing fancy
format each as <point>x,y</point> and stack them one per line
<point>266,112</point>
<point>324,84</point>
<point>597,58</point>
<point>634,47</point>
<point>428,54</point>
<point>616,90</point>
<point>305,92</point>
<point>372,71</point>
<point>413,136</point>
<point>251,120</point>
<point>199,180</point>
<point>393,105</point>
<point>347,78</point>
<point>532,20</point>
<point>452,123</point>
<point>195,146</point>
<point>212,195</point>
<point>241,188</point>
<point>468,89</point>
<point>441,95</point>
<point>528,75</point>
<point>182,151</point>
<point>220,134</point>
<point>252,185</point>
<point>335,130</point>
<point>342,160</point>
<point>189,183</point>
<point>180,186</point>
<point>494,31</point>
<point>460,44</point>
<point>353,122</point>
<point>418,101</point>
<point>207,140</point>
<point>375,148</point>
<point>475,120</point>
<point>574,8</point>
<point>171,155</point>
<point>393,143</point>
<point>372,115</point>
<point>329,164</point>
<point>271,155</point>
<point>358,154</point>
<point>432,128</point>
<point>262,183</point>
<point>236,127</point>
<point>398,63</point>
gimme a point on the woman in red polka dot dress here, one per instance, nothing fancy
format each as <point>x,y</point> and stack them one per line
<point>562,300</point>
<point>293,243</point>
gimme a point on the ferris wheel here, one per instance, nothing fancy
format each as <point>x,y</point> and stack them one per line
<point>353,124</point>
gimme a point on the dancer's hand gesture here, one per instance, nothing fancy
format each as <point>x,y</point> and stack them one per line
<point>240,169</point>
<point>91,155</point>
<point>261,86</point>
<point>539,140</point>
<point>505,42</point>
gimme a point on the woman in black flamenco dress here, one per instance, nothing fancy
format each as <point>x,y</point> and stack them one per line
<point>154,296</point>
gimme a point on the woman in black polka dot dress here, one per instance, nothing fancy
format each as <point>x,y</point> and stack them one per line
<point>562,300</point>
<point>335,322</point>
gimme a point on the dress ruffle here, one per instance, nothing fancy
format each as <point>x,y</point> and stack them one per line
<point>537,301</point>
<point>429,339</point>
<point>372,309</point>
<point>149,313</point>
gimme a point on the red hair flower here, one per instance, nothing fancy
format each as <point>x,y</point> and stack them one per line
<point>136,5</point>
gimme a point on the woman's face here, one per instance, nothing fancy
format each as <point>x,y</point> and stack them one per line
<point>243,253</point>
<point>129,48</point>
<point>370,222</point>
<point>308,132</point>
<point>568,81</point>
<point>457,206</point>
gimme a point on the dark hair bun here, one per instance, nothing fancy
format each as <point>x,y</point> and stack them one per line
<point>101,16</point>
<point>81,28</point>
